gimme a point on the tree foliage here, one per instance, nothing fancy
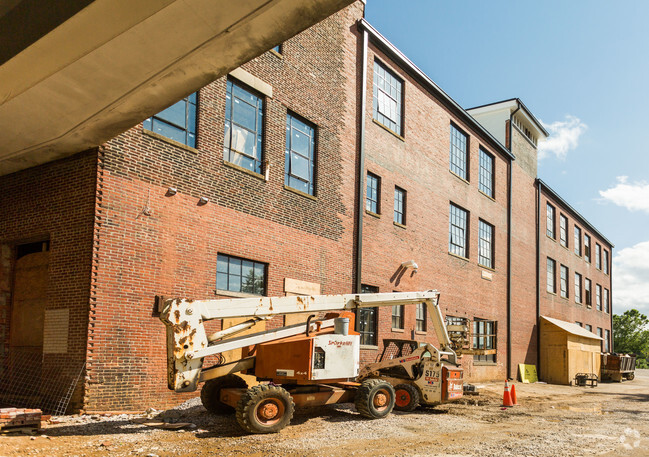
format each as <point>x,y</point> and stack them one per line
<point>631,334</point>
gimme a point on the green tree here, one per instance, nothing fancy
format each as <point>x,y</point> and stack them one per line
<point>631,335</point>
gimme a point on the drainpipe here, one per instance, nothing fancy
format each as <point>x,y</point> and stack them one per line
<point>610,297</point>
<point>509,250</point>
<point>361,171</point>
<point>538,277</point>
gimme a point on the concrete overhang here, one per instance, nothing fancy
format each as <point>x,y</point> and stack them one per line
<point>74,74</point>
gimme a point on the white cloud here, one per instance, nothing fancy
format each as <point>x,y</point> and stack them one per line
<point>632,196</point>
<point>564,137</point>
<point>631,279</point>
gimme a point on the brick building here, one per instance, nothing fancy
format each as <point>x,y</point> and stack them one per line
<point>330,164</point>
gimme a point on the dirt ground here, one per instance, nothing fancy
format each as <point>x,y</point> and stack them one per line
<point>609,420</point>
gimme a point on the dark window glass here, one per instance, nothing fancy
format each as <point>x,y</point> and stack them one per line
<point>607,341</point>
<point>589,327</point>
<point>399,206</point>
<point>563,286</point>
<point>486,178</point>
<point>178,122</point>
<point>420,318</point>
<point>458,231</point>
<point>397,316</point>
<point>549,223</point>
<point>300,155</point>
<point>563,230</point>
<point>278,49</point>
<point>598,256</point>
<point>484,338</point>
<point>577,241</point>
<point>373,194</point>
<point>244,113</point>
<point>607,309</point>
<point>605,261</point>
<point>366,319</point>
<point>485,244</point>
<point>387,98</point>
<point>587,293</point>
<point>598,297</point>
<point>577,288</point>
<point>587,248</point>
<point>459,148</point>
<point>551,276</point>
<point>240,275</point>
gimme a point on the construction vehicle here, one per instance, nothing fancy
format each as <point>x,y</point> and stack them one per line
<point>308,364</point>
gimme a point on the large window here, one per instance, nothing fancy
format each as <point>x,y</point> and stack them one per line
<point>459,153</point>
<point>300,155</point>
<point>551,276</point>
<point>178,122</point>
<point>605,261</point>
<point>484,338</point>
<point>586,247</point>
<point>589,327</point>
<point>577,288</point>
<point>366,319</point>
<point>373,194</point>
<point>599,333</point>
<point>598,297</point>
<point>458,235</point>
<point>598,256</point>
<point>563,230</point>
<point>397,317</point>
<point>486,244</point>
<point>587,293</point>
<point>420,318</point>
<point>577,241</point>
<point>399,206</point>
<point>244,113</point>
<point>549,221</point>
<point>235,274</point>
<point>486,178</point>
<point>388,93</point>
<point>563,282</point>
<point>607,341</point>
<point>607,308</point>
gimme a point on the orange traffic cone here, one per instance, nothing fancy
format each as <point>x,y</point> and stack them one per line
<point>513,394</point>
<point>507,398</point>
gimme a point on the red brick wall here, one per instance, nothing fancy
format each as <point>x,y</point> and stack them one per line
<point>419,163</point>
<point>173,250</point>
<point>56,202</point>
<point>553,305</point>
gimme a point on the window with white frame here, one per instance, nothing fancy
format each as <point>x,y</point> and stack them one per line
<point>373,194</point>
<point>577,241</point>
<point>587,293</point>
<point>607,308</point>
<point>598,297</point>
<point>420,318</point>
<point>551,273</point>
<point>399,205</point>
<point>577,288</point>
<point>598,256</point>
<point>607,341</point>
<point>605,261</point>
<point>586,247</point>
<point>484,340</point>
<point>563,281</point>
<point>397,317</point>
<point>367,319</point>
<point>549,221</point>
<point>387,102</point>
<point>563,230</point>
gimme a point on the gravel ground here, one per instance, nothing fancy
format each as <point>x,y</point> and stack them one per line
<point>551,421</point>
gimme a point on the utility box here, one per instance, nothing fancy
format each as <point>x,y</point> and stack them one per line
<point>566,350</point>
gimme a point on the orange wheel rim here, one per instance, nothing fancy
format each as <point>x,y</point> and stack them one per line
<point>269,411</point>
<point>403,398</point>
<point>381,400</point>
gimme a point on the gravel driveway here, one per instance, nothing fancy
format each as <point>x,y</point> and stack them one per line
<point>611,420</point>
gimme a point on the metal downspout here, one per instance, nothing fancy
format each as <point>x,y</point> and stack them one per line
<point>538,277</point>
<point>361,171</point>
<point>509,250</point>
<point>610,298</point>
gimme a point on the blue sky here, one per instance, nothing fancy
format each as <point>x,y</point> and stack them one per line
<point>582,68</point>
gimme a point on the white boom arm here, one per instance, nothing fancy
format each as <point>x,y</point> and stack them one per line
<point>188,343</point>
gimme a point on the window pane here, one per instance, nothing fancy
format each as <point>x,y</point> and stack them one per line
<point>243,141</point>
<point>240,275</point>
<point>300,166</point>
<point>457,235</point>
<point>458,152</point>
<point>386,101</point>
<point>175,114</point>
<point>169,131</point>
<point>177,122</point>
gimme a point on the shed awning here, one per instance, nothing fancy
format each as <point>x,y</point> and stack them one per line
<point>572,328</point>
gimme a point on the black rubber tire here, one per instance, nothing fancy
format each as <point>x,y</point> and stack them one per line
<point>211,393</point>
<point>375,398</point>
<point>406,397</point>
<point>262,398</point>
<point>630,376</point>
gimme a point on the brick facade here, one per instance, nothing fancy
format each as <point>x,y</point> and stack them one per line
<point>119,238</point>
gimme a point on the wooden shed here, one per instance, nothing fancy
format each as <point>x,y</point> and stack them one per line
<point>567,349</point>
